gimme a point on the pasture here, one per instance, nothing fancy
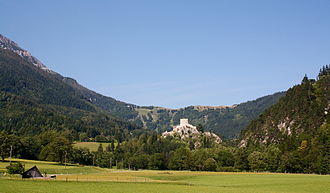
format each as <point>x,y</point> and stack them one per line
<point>92,146</point>
<point>93,179</point>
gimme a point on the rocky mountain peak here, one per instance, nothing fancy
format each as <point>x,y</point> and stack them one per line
<point>8,44</point>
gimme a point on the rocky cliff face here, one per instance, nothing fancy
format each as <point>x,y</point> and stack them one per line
<point>6,43</point>
<point>187,131</point>
<point>297,116</point>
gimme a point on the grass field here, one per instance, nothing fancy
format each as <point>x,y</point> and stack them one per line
<point>92,146</point>
<point>54,167</point>
<point>93,179</point>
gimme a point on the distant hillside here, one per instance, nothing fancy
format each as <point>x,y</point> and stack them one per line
<point>226,121</point>
<point>24,75</point>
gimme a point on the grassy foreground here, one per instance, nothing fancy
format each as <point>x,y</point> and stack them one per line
<point>93,179</point>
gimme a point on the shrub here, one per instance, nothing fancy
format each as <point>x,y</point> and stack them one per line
<point>15,168</point>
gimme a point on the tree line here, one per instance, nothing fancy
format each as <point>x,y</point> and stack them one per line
<point>152,151</point>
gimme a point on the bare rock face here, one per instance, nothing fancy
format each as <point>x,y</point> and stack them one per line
<point>6,43</point>
<point>187,131</point>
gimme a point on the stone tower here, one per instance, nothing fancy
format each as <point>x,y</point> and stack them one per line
<point>183,122</point>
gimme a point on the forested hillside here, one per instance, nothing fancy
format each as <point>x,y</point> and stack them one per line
<point>33,101</point>
<point>225,121</point>
<point>24,117</point>
<point>24,75</point>
<point>20,77</point>
<point>299,124</point>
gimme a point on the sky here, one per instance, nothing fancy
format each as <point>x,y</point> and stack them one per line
<point>175,53</point>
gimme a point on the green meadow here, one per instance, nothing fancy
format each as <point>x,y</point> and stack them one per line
<point>92,146</point>
<point>75,178</point>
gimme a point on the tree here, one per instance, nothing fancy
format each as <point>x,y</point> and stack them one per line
<point>15,168</point>
<point>180,159</point>
<point>100,148</point>
<point>210,165</point>
<point>257,161</point>
<point>57,150</point>
<point>200,128</point>
<point>103,159</point>
<point>156,162</point>
<point>108,148</point>
<point>206,142</point>
<point>290,162</point>
<point>83,137</point>
<point>325,70</point>
<point>224,157</point>
<point>305,80</point>
<point>138,161</point>
<point>241,159</point>
<point>82,156</point>
<point>9,145</point>
<point>112,148</point>
<point>198,159</point>
<point>273,156</point>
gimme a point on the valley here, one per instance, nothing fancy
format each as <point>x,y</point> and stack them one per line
<point>92,179</point>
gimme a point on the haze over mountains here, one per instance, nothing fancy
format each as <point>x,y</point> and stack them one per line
<point>24,75</point>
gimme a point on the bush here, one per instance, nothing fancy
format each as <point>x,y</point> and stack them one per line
<point>15,168</point>
<point>210,165</point>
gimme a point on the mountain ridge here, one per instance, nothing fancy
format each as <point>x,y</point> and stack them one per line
<point>6,43</point>
<point>49,87</point>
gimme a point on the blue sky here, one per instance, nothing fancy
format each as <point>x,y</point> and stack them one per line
<point>175,53</point>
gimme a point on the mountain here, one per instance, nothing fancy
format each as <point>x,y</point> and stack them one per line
<point>34,99</point>
<point>49,87</point>
<point>225,121</point>
<point>23,117</point>
<point>297,127</point>
<point>7,44</point>
<point>24,75</point>
<point>302,114</point>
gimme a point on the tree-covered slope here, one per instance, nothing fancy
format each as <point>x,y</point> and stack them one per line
<point>298,125</point>
<point>19,77</point>
<point>302,111</point>
<point>33,100</point>
<point>25,117</point>
<point>226,121</point>
<point>24,75</point>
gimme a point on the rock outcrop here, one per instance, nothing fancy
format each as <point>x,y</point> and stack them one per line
<point>188,131</point>
<point>6,43</point>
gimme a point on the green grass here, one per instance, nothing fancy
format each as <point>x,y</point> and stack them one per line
<point>94,179</point>
<point>92,146</point>
<point>54,167</point>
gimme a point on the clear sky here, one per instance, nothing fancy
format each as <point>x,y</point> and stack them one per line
<point>175,53</point>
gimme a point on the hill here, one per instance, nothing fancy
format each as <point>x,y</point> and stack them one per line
<point>225,121</point>
<point>24,75</point>
<point>25,117</point>
<point>35,100</point>
<point>299,124</point>
<point>302,111</point>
